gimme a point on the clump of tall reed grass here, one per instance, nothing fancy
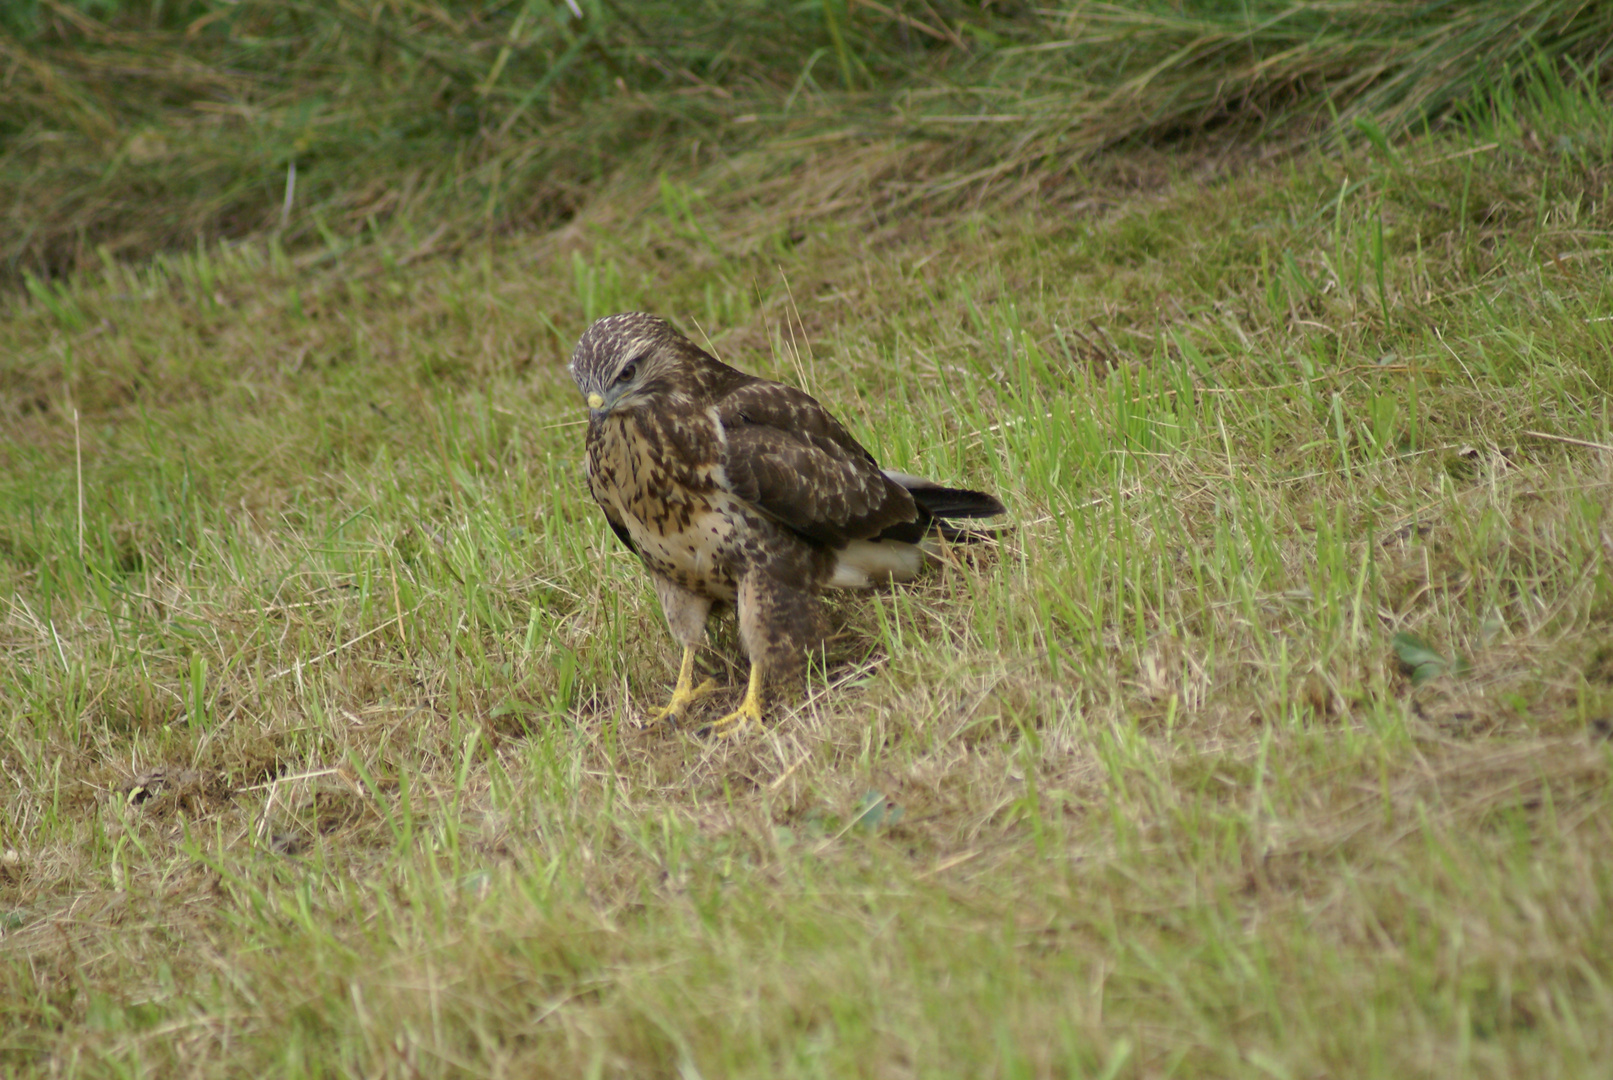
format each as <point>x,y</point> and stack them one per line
<point>131,127</point>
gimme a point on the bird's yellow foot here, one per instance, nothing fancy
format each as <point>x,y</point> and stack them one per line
<point>682,697</point>
<point>736,721</point>
<point>749,709</point>
<point>685,692</point>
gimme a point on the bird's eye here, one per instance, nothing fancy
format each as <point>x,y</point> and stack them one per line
<point>627,373</point>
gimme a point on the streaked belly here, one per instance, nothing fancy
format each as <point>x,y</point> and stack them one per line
<point>697,550</point>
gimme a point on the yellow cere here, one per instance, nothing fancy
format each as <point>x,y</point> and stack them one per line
<point>595,401</point>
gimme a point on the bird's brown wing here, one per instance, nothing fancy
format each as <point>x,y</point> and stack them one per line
<point>788,457</point>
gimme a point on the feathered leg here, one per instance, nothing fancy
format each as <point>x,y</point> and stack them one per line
<point>779,624</point>
<point>686,617</point>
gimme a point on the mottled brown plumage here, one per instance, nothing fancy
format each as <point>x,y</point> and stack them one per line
<point>736,489</point>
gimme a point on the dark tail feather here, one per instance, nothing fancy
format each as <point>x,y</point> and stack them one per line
<point>945,502</point>
<point>942,503</point>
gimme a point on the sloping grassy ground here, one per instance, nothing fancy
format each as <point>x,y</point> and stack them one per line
<point>1270,741</point>
<point>129,127</point>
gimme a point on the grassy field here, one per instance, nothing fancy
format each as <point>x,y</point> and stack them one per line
<point>1270,740</point>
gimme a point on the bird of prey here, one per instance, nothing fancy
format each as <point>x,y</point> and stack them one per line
<point>735,489</point>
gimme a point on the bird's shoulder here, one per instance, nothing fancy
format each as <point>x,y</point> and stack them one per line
<point>787,456</point>
<point>763,404</point>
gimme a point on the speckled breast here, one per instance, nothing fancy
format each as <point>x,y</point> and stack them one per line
<point>662,478</point>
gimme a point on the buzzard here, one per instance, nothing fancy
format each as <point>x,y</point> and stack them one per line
<point>735,489</point>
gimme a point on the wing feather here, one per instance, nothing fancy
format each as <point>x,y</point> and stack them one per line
<point>790,458</point>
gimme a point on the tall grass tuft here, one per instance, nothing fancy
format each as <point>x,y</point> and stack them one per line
<point>130,127</point>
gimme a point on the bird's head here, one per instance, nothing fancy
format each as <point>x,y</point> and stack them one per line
<point>626,360</point>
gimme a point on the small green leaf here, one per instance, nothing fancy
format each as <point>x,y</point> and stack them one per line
<point>1421,663</point>
<point>1412,651</point>
<point>874,812</point>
